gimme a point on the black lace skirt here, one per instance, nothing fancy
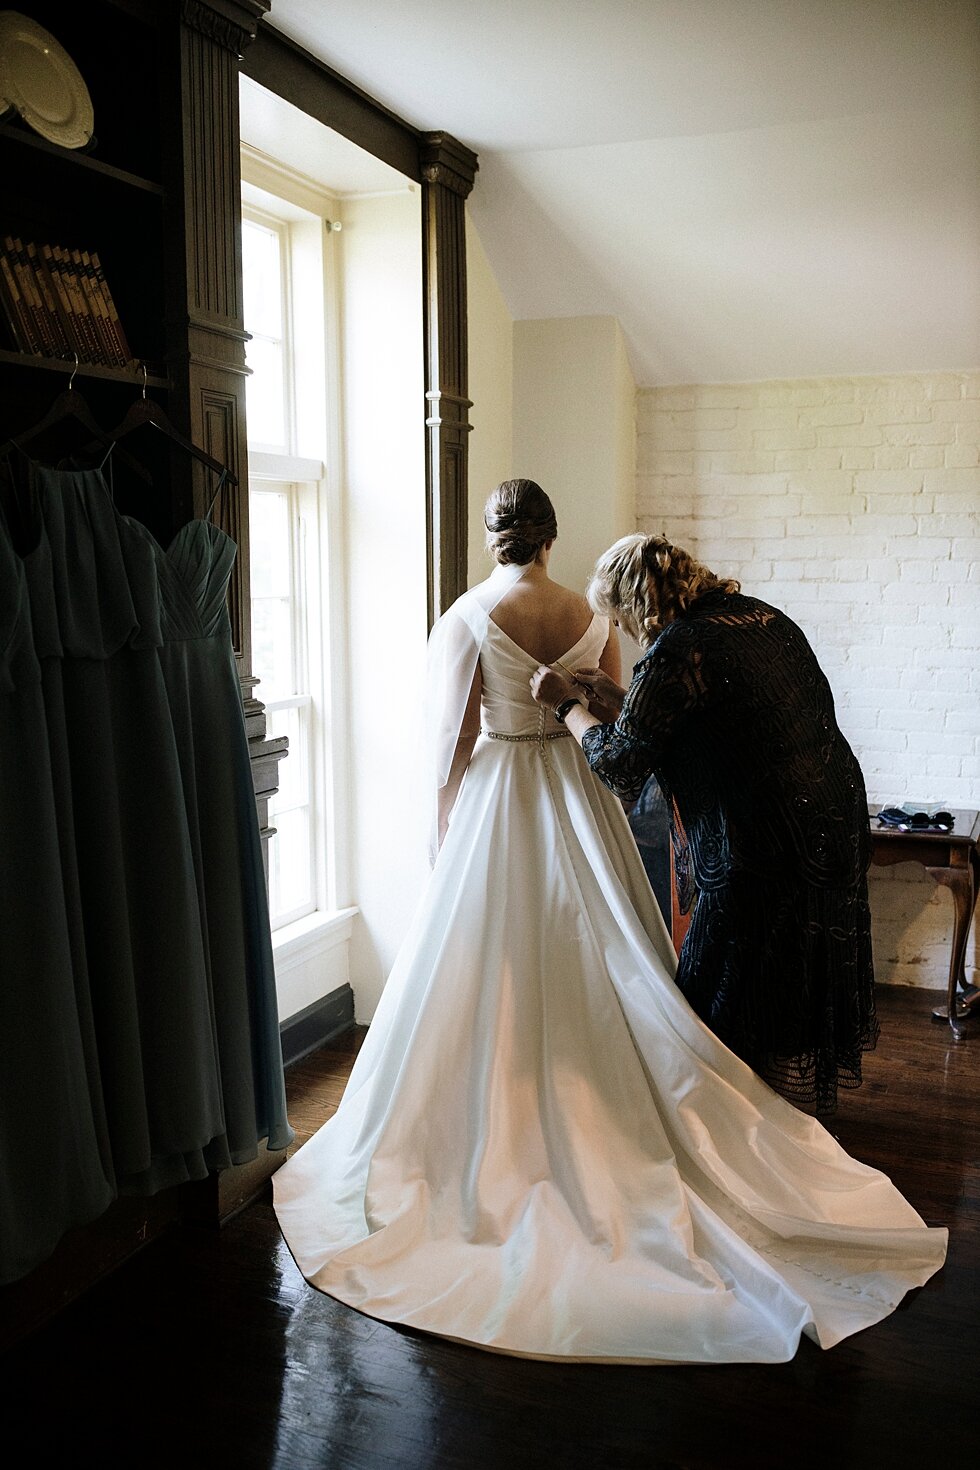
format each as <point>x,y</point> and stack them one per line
<point>782,973</point>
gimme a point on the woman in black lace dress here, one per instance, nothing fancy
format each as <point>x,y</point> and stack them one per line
<point>729,709</point>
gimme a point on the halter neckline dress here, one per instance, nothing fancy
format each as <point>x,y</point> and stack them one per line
<point>132,795</point>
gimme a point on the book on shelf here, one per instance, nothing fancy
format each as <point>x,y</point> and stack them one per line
<point>98,307</point>
<point>57,303</point>
<point>26,290</point>
<point>115,325</point>
<point>82,302</point>
<point>16,309</point>
<point>60,269</point>
<point>57,337</point>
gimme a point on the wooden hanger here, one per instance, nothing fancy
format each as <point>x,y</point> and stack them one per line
<point>71,405</point>
<point>147,411</point>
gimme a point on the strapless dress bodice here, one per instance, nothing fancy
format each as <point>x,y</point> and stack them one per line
<point>507,708</point>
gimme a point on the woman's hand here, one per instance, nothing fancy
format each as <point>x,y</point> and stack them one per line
<point>601,690</point>
<point>550,688</point>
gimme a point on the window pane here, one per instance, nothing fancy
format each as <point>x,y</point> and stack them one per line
<point>291,849</point>
<point>294,780</point>
<point>290,877</point>
<point>266,388</point>
<point>262,271</point>
<point>265,392</point>
<point>272,647</point>
<point>269,522</point>
<point>273,656</point>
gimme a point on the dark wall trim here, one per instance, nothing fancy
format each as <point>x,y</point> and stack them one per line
<point>276,62</point>
<point>319,1023</point>
<point>446,170</point>
<point>232,23</point>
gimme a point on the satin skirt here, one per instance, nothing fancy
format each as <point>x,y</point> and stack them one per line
<point>543,1151</point>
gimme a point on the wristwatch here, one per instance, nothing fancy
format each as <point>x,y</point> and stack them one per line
<point>562,709</point>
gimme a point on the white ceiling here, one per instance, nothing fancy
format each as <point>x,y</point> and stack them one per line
<point>755,188</point>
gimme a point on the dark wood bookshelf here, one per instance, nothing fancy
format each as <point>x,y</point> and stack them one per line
<point>157,195</point>
<point>108,198</point>
<point>74,159</point>
<point>83,369</point>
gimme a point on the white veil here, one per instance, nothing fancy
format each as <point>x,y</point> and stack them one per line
<point>453,651</point>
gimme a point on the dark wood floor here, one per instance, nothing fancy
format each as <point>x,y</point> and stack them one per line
<point>210,1350</point>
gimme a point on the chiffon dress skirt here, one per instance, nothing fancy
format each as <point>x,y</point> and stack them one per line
<point>541,1149</point>
<point>55,1163</point>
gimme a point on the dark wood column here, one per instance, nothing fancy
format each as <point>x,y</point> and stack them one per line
<point>206,323</point>
<point>205,309</point>
<point>448,170</point>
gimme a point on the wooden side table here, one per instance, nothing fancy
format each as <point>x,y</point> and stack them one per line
<point>952,859</point>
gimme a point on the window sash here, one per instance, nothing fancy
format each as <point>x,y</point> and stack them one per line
<point>313,365</point>
<point>299,698</point>
<point>279,227</point>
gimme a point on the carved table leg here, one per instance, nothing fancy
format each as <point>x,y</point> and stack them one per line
<point>968,1000</point>
<point>961,883</point>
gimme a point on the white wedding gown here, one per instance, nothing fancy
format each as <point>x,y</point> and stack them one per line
<point>541,1149</point>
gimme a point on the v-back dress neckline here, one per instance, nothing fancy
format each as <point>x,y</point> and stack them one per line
<point>533,657</point>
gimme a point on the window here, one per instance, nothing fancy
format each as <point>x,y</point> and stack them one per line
<point>267,355</point>
<point>278,533</point>
<point>287,494</point>
<point>342,334</point>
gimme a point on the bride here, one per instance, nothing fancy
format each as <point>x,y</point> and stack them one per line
<point>542,1150</point>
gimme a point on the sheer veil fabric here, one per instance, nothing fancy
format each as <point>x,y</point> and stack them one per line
<point>452,655</point>
<point>542,1150</point>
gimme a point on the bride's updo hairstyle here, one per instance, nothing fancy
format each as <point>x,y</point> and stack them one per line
<point>644,582</point>
<point>520,519</point>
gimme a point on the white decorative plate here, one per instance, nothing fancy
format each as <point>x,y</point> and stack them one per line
<point>39,79</point>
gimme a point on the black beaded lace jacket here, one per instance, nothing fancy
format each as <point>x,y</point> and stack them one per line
<point>732,713</point>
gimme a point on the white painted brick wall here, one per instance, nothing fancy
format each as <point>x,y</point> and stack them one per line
<point>854,505</point>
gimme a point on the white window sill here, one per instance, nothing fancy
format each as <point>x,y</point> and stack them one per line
<point>289,467</point>
<point>312,934</point>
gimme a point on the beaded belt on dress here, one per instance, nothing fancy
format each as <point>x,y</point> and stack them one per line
<point>537,737</point>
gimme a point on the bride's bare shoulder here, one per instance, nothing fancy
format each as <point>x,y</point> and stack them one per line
<point>566,606</point>
<point>572,604</point>
<point>545,599</point>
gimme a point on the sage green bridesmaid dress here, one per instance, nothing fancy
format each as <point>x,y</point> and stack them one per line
<point>165,939</point>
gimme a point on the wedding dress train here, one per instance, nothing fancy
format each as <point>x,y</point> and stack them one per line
<point>541,1149</point>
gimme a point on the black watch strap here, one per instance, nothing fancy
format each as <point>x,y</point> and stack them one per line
<point>562,709</point>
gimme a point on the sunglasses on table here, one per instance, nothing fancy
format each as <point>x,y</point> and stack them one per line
<point>894,816</point>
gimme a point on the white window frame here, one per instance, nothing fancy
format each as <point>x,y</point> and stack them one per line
<point>303,519</point>
<point>313,424</point>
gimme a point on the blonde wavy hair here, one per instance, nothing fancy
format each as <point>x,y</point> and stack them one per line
<point>644,583</point>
